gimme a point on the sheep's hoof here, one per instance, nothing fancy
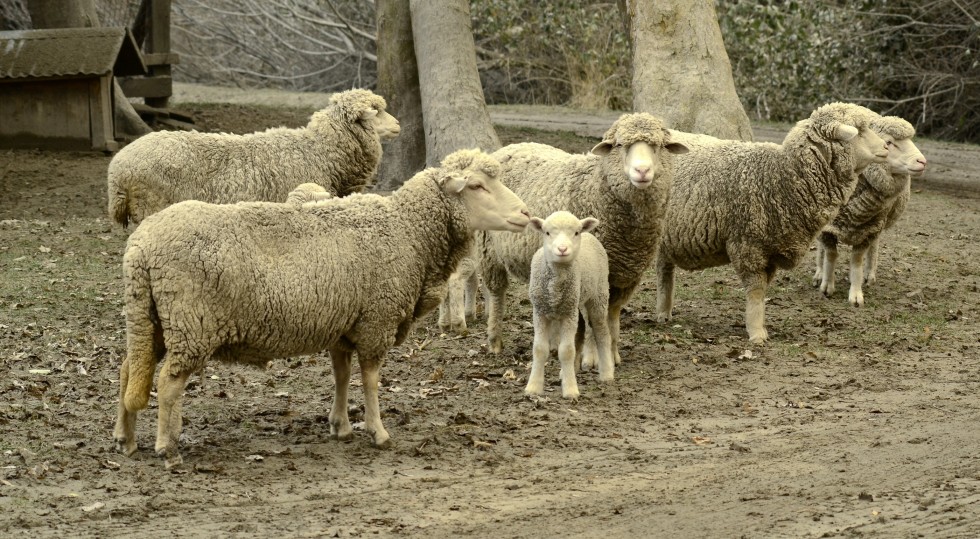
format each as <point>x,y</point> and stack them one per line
<point>870,279</point>
<point>171,458</point>
<point>496,345</point>
<point>533,391</point>
<point>126,447</point>
<point>857,300</point>
<point>663,318</point>
<point>384,444</point>
<point>346,437</point>
<point>571,395</point>
<point>759,338</point>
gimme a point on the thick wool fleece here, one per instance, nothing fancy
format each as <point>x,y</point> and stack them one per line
<point>549,180</point>
<point>760,205</point>
<point>335,150</point>
<point>254,281</point>
<point>879,199</point>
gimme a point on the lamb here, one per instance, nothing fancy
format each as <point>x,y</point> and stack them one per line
<point>217,281</point>
<point>879,199</point>
<point>339,149</point>
<point>759,205</point>
<point>624,182</point>
<point>569,274</point>
<point>460,301</point>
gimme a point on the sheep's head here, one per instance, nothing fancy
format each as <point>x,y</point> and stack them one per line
<point>308,195</point>
<point>561,235</point>
<point>849,124</point>
<point>903,155</point>
<point>642,139</point>
<point>473,176</point>
<point>368,109</point>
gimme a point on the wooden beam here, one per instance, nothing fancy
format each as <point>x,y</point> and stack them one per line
<point>161,58</point>
<point>149,87</point>
<point>158,42</point>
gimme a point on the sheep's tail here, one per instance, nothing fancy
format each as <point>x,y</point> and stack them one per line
<point>118,199</point>
<point>144,334</point>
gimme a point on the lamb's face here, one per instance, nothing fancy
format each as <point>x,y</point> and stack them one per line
<point>489,203</point>
<point>904,157</point>
<point>561,235</point>
<point>384,124</point>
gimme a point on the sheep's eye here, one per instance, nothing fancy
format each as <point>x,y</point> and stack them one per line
<point>547,233</point>
<point>576,233</point>
<point>477,186</point>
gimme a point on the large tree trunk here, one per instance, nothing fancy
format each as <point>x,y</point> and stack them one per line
<point>681,70</point>
<point>398,83</point>
<point>82,14</point>
<point>453,107</point>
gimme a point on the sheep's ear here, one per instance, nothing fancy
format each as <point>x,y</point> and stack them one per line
<point>603,148</point>
<point>368,114</point>
<point>452,182</point>
<point>589,224</point>
<point>677,148</point>
<point>537,224</point>
<point>845,132</point>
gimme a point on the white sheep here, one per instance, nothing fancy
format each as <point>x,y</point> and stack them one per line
<point>879,199</point>
<point>624,182</point>
<point>339,149</point>
<point>251,282</point>
<point>759,206</point>
<point>308,195</point>
<point>569,275</point>
<point>460,301</point>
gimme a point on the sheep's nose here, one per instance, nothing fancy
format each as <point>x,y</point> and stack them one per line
<point>921,160</point>
<point>562,249</point>
<point>642,171</point>
<point>526,213</point>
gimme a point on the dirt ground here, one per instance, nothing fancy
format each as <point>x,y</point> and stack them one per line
<point>850,422</point>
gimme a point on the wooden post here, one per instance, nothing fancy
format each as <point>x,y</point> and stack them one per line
<point>158,42</point>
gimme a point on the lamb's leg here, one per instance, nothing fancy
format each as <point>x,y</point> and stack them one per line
<point>829,264</point>
<point>125,433</point>
<point>599,318</point>
<point>170,394</point>
<point>340,427</point>
<point>566,356</point>
<point>856,296</point>
<point>471,287</point>
<point>539,355</point>
<point>755,306</point>
<point>818,273</point>
<point>665,299</point>
<point>871,263</point>
<point>495,287</point>
<point>586,353</point>
<point>370,376</point>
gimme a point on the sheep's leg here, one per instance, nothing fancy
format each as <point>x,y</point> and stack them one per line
<point>451,309</point>
<point>471,287</point>
<point>598,317</point>
<point>340,427</point>
<point>125,433</point>
<point>370,376</point>
<point>665,299</point>
<point>566,356</point>
<point>586,353</point>
<point>818,273</point>
<point>829,264</point>
<point>871,263</point>
<point>755,306</point>
<point>580,336</point>
<point>615,310</point>
<point>496,294</point>
<point>856,296</point>
<point>170,394</point>
<point>539,355</point>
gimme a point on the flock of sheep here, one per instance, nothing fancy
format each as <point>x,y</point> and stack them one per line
<point>261,246</point>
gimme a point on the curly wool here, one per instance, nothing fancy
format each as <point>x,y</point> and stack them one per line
<point>254,281</point>
<point>760,205</point>
<point>335,150</point>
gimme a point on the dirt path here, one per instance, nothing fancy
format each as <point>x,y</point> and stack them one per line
<point>850,422</point>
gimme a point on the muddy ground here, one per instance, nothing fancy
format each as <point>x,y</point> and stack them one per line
<point>850,422</point>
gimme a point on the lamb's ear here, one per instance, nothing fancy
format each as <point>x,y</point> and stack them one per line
<point>603,148</point>
<point>589,224</point>
<point>537,224</point>
<point>368,114</point>
<point>677,148</point>
<point>845,132</point>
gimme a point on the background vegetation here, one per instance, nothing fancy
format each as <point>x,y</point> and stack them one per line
<point>919,59</point>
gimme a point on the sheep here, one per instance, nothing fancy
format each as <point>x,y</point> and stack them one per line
<point>460,301</point>
<point>308,195</point>
<point>339,149</point>
<point>879,199</point>
<point>758,205</point>
<point>624,182</point>
<point>251,282</point>
<point>569,274</point>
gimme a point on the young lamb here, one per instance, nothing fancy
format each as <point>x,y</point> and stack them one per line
<point>569,275</point>
<point>879,199</point>
<point>209,281</point>
<point>624,182</point>
<point>759,206</point>
<point>460,301</point>
<point>339,149</point>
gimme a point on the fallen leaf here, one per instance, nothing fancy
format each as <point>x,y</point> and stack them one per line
<point>509,375</point>
<point>94,507</point>
<point>255,458</point>
<point>44,249</point>
<point>40,371</point>
<point>702,440</point>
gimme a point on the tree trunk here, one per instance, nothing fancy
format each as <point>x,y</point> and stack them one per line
<point>82,14</point>
<point>398,83</point>
<point>681,70</point>
<point>453,107</point>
